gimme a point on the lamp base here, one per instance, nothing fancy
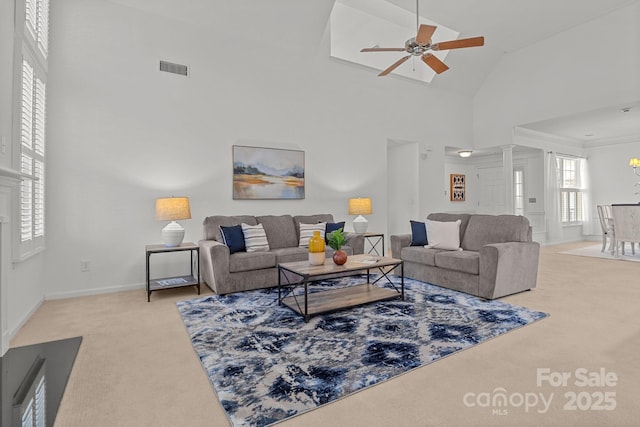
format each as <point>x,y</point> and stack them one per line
<point>360,224</point>
<point>172,234</point>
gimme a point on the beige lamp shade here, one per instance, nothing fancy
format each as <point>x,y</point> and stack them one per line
<point>173,209</point>
<point>360,206</point>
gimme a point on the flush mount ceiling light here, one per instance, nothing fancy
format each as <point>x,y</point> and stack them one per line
<point>464,153</point>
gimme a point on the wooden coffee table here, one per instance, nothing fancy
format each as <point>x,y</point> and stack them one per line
<point>297,274</point>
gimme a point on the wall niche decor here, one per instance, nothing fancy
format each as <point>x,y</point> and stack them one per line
<point>456,187</point>
<point>267,173</point>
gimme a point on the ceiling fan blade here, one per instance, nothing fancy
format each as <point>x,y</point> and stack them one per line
<point>435,63</point>
<point>424,34</point>
<point>383,49</point>
<point>394,65</point>
<point>457,44</point>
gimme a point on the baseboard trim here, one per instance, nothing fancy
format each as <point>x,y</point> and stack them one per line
<point>95,291</point>
<point>9,334</point>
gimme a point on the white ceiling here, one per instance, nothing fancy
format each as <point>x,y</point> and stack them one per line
<point>507,25</point>
<point>620,123</point>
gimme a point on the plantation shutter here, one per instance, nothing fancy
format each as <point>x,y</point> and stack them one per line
<point>35,44</point>
<point>31,17</point>
<point>26,163</point>
<point>27,105</point>
<point>42,25</point>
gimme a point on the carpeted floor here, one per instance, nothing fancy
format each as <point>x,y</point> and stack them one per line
<point>266,364</point>
<point>136,365</point>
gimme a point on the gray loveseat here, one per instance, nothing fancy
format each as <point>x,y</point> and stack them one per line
<point>225,273</point>
<point>498,257</point>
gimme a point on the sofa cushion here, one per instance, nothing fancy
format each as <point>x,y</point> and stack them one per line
<point>290,254</point>
<point>486,229</point>
<point>233,237</point>
<point>418,233</point>
<point>211,225</point>
<point>447,217</point>
<point>419,255</point>
<point>333,226</point>
<point>443,235</point>
<point>465,261</point>
<point>255,239</point>
<point>310,219</point>
<point>281,230</point>
<point>306,232</point>
<point>247,261</point>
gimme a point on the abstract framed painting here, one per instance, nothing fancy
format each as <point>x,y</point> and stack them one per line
<point>267,173</point>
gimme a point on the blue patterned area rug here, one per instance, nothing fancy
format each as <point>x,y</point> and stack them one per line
<point>267,365</point>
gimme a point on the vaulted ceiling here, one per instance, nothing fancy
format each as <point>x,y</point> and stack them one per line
<point>507,25</point>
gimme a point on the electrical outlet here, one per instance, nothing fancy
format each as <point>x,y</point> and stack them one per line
<point>85,265</point>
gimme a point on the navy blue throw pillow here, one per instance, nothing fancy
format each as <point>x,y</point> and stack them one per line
<point>233,237</point>
<point>418,233</point>
<point>332,226</point>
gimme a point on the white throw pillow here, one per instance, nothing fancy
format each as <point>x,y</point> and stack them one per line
<point>255,239</point>
<point>306,232</point>
<point>443,235</point>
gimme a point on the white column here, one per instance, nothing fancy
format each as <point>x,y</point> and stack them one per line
<point>507,170</point>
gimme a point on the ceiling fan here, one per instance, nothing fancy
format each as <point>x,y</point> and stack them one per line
<point>421,44</point>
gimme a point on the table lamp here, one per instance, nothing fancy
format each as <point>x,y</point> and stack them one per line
<point>360,206</point>
<point>635,164</point>
<point>172,209</point>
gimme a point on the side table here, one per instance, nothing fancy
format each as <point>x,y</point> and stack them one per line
<point>174,282</point>
<point>374,240</point>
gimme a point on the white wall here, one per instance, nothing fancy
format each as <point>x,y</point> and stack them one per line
<point>403,163</point>
<point>122,134</point>
<point>612,180</point>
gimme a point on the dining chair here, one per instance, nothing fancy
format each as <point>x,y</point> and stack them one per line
<point>607,231</point>
<point>614,244</point>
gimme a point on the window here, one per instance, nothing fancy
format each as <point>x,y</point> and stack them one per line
<point>571,191</point>
<point>32,109</point>
<point>518,191</point>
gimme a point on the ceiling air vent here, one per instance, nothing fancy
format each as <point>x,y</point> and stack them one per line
<point>170,67</point>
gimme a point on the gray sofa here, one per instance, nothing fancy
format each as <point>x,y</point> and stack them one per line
<point>498,257</point>
<point>225,273</point>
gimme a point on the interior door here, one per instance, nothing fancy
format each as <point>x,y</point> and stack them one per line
<point>491,190</point>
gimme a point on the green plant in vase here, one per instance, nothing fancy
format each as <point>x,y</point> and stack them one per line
<point>336,239</point>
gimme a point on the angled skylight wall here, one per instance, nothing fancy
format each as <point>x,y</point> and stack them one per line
<point>356,24</point>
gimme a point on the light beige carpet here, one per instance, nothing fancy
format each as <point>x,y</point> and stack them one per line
<point>595,251</point>
<point>136,366</point>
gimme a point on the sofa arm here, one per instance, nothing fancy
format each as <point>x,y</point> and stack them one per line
<point>507,268</point>
<point>356,241</point>
<point>214,262</point>
<point>399,241</point>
